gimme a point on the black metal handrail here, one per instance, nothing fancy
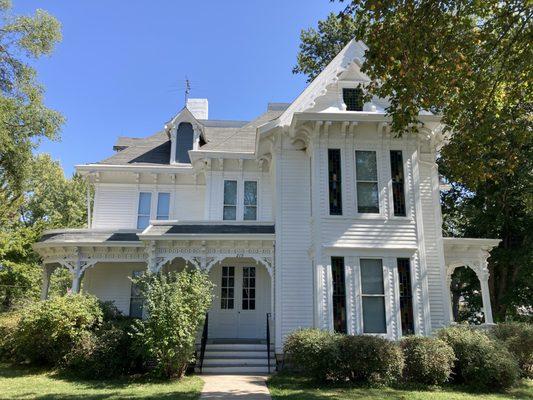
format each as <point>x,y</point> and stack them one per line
<point>203,343</point>
<point>268,340</point>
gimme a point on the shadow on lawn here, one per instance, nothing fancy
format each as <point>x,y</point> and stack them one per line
<point>114,388</point>
<point>293,387</point>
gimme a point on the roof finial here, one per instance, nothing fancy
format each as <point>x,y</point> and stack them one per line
<point>187,90</point>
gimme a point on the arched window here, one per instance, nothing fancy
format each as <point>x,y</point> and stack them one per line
<point>184,142</point>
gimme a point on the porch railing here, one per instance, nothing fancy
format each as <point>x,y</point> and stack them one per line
<point>203,343</point>
<point>268,340</point>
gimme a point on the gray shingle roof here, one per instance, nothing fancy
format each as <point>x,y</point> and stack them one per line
<point>221,135</point>
<point>214,229</point>
<point>88,236</point>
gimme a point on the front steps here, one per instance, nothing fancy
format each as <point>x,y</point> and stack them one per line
<point>236,358</point>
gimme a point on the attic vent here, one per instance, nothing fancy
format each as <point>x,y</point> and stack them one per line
<point>353,98</point>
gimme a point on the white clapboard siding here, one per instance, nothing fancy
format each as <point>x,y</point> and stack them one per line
<point>433,259</point>
<point>115,206</point>
<point>111,282</point>
<point>189,203</point>
<point>293,236</point>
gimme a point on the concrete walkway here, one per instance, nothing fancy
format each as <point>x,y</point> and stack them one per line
<point>235,387</point>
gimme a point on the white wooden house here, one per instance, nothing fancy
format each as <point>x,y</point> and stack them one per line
<point>312,213</point>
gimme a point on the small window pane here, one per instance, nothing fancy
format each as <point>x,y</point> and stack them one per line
<point>250,193</point>
<point>367,197</point>
<point>163,206</point>
<point>143,211</point>
<point>372,276</point>
<point>366,166</point>
<point>374,314</point>
<point>250,213</point>
<point>230,193</point>
<point>230,212</point>
<point>335,182</point>
<point>144,202</point>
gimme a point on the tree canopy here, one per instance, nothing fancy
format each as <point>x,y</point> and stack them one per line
<point>470,62</point>
<point>24,118</point>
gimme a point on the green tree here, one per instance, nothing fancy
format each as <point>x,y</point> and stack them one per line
<point>176,304</point>
<point>470,62</point>
<point>24,118</point>
<point>50,201</point>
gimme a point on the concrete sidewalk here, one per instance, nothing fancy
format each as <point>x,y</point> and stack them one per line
<point>233,387</point>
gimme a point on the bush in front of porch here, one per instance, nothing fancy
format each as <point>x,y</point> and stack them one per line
<point>176,303</point>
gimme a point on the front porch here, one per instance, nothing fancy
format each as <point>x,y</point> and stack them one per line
<point>237,256</point>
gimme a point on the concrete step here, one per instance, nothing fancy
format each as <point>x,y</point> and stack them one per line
<point>229,370</point>
<point>236,347</point>
<point>230,362</point>
<point>236,354</point>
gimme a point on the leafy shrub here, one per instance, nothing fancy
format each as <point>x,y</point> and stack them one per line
<point>480,361</point>
<point>47,330</point>
<point>427,360</point>
<point>106,353</point>
<point>370,359</point>
<point>8,326</point>
<point>110,312</point>
<point>176,304</point>
<point>313,351</point>
<point>518,339</point>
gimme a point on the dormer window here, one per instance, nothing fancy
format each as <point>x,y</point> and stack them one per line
<point>184,142</point>
<point>353,98</point>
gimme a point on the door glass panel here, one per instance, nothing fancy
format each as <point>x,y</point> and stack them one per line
<point>227,288</point>
<point>248,288</point>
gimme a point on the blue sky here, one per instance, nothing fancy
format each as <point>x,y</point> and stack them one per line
<point>121,66</point>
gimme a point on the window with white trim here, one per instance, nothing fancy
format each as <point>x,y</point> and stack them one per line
<point>373,296</point>
<point>163,206</point>
<point>248,288</point>
<point>250,201</point>
<point>144,209</point>
<point>230,200</point>
<point>366,172</point>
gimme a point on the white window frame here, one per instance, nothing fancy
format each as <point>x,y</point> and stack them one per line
<point>240,195</point>
<point>381,184</point>
<point>154,200</point>
<point>386,296</point>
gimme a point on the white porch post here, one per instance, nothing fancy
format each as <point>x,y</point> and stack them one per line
<point>483,277</point>
<point>47,272</point>
<point>448,292</point>
<point>76,277</point>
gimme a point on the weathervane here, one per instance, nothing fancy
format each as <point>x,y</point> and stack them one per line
<point>187,89</point>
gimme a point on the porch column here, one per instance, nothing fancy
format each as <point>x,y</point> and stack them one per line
<point>448,292</point>
<point>483,277</point>
<point>45,285</point>
<point>76,277</point>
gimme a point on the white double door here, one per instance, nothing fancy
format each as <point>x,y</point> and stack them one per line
<point>241,302</point>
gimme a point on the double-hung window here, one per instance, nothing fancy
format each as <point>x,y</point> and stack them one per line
<point>143,211</point>
<point>250,200</point>
<point>230,200</point>
<point>163,205</point>
<point>397,175</point>
<point>335,182</point>
<point>366,171</point>
<point>373,296</point>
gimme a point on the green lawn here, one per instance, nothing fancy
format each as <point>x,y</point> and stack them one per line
<point>287,387</point>
<point>26,383</point>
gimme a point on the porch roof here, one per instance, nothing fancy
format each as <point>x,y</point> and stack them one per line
<point>89,237</point>
<point>221,229</point>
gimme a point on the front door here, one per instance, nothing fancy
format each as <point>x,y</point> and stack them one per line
<point>242,299</point>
